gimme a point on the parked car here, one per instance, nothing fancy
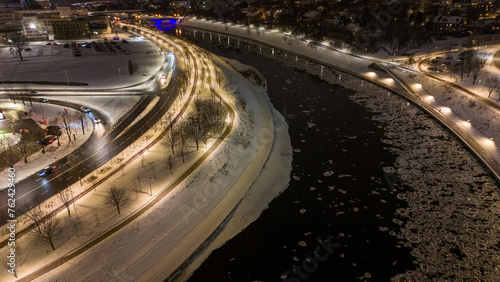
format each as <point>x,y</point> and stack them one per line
<point>27,49</point>
<point>49,139</point>
<point>97,120</point>
<point>43,100</point>
<point>85,109</point>
<point>47,170</point>
<point>48,43</point>
<point>53,130</point>
<point>66,45</point>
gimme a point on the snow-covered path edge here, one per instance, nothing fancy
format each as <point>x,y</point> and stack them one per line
<point>270,183</point>
<point>203,232</point>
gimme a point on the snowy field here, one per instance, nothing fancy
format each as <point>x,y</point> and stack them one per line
<point>98,69</point>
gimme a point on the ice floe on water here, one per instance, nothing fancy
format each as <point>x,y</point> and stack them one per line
<point>328,173</point>
<point>450,220</point>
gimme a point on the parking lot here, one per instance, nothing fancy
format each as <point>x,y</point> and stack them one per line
<point>98,62</point>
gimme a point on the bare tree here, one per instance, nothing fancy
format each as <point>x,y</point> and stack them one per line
<point>433,64</point>
<point>26,94</point>
<point>194,131</point>
<point>17,45</point>
<point>183,152</point>
<point>82,117</point>
<point>117,197</point>
<point>51,228</point>
<point>169,163</point>
<point>92,179</point>
<point>172,137</point>
<point>467,57</point>
<point>23,146</point>
<point>171,140</point>
<point>11,94</point>
<point>493,85</point>
<point>48,228</point>
<point>66,197</point>
<point>477,65</point>
<point>182,130</point>
<point>6,145</point>
<point>182,81</point>
<point>67,119</point>
<point>76,165</point>
<point>34,212</point>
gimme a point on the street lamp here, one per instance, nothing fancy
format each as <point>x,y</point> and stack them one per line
<point>67,80</point>
<point>150,189</point>
<point>120,74</point>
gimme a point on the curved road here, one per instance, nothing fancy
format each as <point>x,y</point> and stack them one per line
<point>156,199</point>
<point>89,156</point>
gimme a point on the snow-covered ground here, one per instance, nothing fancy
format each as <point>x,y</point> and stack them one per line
<point>38,160</point>
<point>480,86</point>
<point>98,69</point>
<point>179,221</point>
<point>479,119</point>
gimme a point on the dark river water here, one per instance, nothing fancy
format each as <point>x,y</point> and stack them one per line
<point>329,133</point>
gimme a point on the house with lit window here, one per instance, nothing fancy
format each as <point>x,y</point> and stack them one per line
<point>447,23</point>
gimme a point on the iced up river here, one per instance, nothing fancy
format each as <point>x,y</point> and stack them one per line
<point>378,190</point>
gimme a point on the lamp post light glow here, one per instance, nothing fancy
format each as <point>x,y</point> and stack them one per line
<point>445,110</point>
<point>489,142</point>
